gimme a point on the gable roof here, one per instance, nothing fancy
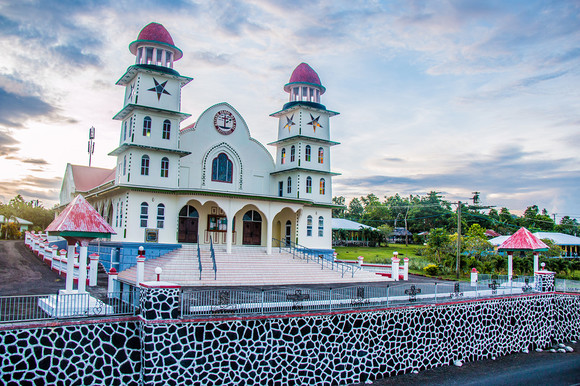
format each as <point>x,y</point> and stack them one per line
<point>86,178</point>
<point>523,239</point>
<point>19,220</point>
<point>559,238</point>
<point>342,223</point>
<point>80,218</point>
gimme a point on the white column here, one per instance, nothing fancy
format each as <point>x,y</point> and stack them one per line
<point>406,268</point>
<point>83,268</point>
<point>269,238</point>
<point>474,275</point>
<point>93,269</point>
<point>70,268</point>
<point>536,262</point>
<point>229,233</point>
<point>140,270</point>
<point>111,283</point>
<point>510,265</point>
<point>54,252</point>
<point>395,266</point>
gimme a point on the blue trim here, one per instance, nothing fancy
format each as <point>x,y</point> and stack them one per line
<point>124,254</point>
<point>304,103</point>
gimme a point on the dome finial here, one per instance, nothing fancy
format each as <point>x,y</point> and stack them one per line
<point>155,46</point>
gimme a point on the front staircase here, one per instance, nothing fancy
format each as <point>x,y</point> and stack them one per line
<point>245,266</point>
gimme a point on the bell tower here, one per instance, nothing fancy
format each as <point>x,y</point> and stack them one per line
<point>303,145</point>
<point>148,152</point>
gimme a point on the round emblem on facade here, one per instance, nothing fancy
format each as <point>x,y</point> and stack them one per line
<point>224,122</point>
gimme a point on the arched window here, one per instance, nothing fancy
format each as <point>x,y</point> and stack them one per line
<point>320,155</point>
<point>307,153</point>
<point>125,131</point>
<point>308,185</point>
<point>166,129</point>
<point>309,226</point>
<point>189,211</point>
<point>124,165</point>
<point>289,189</point>
<point>222,168</point>
<point>164,167</point>
<point>147,127</point>
<point>322,186</point>
<point>160,215</point>
<point>292,153</point>
<point>145,165</point>
<point>144,214</point>
<point>252,216</point>
<point>283,156</point>
<point>320,226</point>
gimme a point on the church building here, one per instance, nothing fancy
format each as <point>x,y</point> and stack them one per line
<point>210,179</point>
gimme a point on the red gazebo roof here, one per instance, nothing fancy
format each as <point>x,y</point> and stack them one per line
<point>80,219</point>
<point>523,240</point>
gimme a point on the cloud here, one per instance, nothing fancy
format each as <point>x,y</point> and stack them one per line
<point>14,108</point>
<point>212,58</point>
<point>507,170</point>
<point>41,182</point>
<point>7,143</point>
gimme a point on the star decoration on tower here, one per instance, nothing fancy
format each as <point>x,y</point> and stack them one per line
<point>289,122</point>
<point>314,122</point>
<point>159,88</point>
<point>131,91</point>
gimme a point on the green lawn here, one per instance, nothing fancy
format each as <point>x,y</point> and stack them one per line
<point>382,255</point>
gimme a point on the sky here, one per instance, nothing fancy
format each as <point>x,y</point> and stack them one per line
<point>451,96</point>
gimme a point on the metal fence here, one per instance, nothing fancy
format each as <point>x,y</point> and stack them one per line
<point>564,285</point>
<point>301,252</point>
<point>63,306</point>
<point>215,302</point>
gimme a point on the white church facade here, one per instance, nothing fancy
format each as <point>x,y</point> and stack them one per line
<point>210,179</point>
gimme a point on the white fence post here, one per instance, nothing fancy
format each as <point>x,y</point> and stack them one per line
<point>395,266</point>
<point>93,269</point>
<point>474,274</point>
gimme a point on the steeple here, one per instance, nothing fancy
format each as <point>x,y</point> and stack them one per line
<point>148,152</point>
<point>154,46</point>
<point>303,145</point>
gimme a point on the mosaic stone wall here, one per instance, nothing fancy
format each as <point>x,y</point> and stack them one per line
<point>343,348</point>
<point>336,349</point>
<point>566,317</point>
<point>87,354</point>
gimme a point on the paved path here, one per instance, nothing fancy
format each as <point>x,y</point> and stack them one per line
<point>22,273</point>
<point>535,368</point>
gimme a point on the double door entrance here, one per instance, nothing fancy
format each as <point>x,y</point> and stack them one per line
<point>187,230</point>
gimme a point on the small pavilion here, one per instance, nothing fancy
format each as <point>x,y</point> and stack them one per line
<point>79,223</point>
<point>522,240</point>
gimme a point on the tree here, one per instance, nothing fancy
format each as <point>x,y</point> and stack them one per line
<point>339,212</point>
<point>437,242</point>
<point>385,230</point>
<point>568,225</point>
<point>476,231</point>
<point>355,209</point>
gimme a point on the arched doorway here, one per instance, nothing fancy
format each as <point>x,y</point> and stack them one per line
<point>188,223</point>
<point>252,228</point>
<point>288,234</point>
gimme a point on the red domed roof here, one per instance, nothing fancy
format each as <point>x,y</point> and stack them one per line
<point>155,33</point>
<point>304,74</point>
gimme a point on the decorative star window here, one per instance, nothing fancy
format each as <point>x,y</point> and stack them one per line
<point>314,122</point>
<point>159,88</point>
<point>289,122</point>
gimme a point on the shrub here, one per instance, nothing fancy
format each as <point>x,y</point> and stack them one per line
<point>431,270</point>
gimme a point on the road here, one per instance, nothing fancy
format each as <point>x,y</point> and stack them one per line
<point>544,368</point>
<point>22,273</point>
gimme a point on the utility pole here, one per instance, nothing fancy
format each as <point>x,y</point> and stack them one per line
<point>458,239</point>
<point>91,143</point>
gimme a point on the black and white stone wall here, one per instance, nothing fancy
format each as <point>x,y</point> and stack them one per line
<point>86,354</point>
<point>343,348</point>
<point>331,349</point>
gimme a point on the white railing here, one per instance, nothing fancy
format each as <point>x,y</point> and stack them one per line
<point>211,302</point>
